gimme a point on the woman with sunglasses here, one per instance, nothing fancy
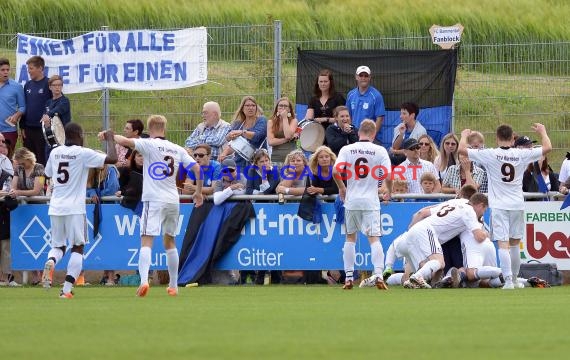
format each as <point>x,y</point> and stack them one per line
<point>428,148</point>
<point>282,130</point>
<point>447,154</point>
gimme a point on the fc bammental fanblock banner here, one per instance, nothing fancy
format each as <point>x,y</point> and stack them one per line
<point>122,60</point>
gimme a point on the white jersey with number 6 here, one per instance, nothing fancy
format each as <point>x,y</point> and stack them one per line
<point>505,169</point>
<point>363,162</point>
<point>68,167</point>
<point>160,168</point>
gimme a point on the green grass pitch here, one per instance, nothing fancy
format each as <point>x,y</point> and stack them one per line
<point>284,322</point>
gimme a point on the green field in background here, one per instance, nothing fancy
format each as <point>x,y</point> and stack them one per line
<point>285,322</point>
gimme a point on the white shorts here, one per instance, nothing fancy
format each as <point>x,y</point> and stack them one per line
<point>64,228</point>
<point>477,254</point>
<point>366,221</point>
<point>507,224</point>
<point>420,243</point>
<point>157,216</point>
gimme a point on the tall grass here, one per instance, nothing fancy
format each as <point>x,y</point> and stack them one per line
<point>484,20</point>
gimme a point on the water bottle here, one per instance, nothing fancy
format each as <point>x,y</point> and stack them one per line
<point>281,198</point>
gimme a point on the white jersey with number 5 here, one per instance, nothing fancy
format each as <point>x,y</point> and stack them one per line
<point>363,162</point>
<point>68,167</point>
<point>505,169</point>
<point>160,168</point>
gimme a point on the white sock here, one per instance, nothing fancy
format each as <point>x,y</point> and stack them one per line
<point>428,269</point>
<point>377,257</point>
<point>349,257</point>
<point>73,270</point>
<point>487,272</point>
<point>390,256</point>
<point>495,282</point>
<point>515,260</point>
<point>144,263</point>
<point>505,260</point>
<point>524,282</point>
<point>172,263</point>
<point>55,254</point>
<point>395,279</point>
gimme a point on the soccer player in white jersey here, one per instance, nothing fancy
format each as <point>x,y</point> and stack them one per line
<point>360,164</point>
<point>68,167</point>
<point>480,260</point>
<point>160,197</point>
<point>505,167</point>
<point>422,244</point>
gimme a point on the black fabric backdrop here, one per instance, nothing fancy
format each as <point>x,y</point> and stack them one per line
<point>426,77</point>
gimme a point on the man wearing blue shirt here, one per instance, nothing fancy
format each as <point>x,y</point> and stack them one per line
<point>365,101</point>
<point>37,93</point>
<point>12,104</point>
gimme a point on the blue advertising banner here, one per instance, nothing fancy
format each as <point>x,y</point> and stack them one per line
<point>276,239</point>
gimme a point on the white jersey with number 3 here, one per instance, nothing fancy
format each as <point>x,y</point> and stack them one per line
<point>68,168</point>
<point>160,168</point>
<point>452,218</point>
<point>505,168</point>
<point>363,162</point>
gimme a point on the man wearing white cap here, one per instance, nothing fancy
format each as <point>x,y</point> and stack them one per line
<point>365,101</point>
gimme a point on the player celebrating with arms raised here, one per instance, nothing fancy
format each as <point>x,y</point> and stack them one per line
<point>360,198</point>
<point>160,196</point>
<point>505,167</point>
<point>68,167</point>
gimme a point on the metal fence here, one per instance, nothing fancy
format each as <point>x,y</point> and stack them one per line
<point>496,82</point>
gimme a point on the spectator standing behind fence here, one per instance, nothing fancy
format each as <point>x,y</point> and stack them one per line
<point>365,101</point>
<point>477,141</point>
<point>212,130</point>
<point>58,105</point>
<point>28,180</point>
<point>294,173</point>
<point>250,124</point>
<point>6,277</point>
<point>539,168</point>
<point>282,130</point>
<point>37,93</point>
<point>565,170</point>
<point>133,130</point>
<point>413,167</point>
<point>447,154</point>
<point>505,166</point>
<point>262,178</point>
<point>325,100</point>
<point>464,173</point>
<point>428,148</point>
<point>321,163</point>
<point>210,171</point>
<point>12,104</point>
<point>5,161</point>
<point>409,128</point>
<point>130,183</point>
<point>342,132</point>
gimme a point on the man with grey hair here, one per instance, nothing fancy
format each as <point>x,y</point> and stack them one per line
<point>211,131</point>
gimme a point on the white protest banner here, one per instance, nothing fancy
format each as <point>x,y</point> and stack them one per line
<point>122,60</point>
